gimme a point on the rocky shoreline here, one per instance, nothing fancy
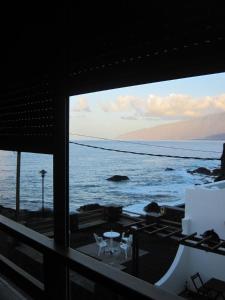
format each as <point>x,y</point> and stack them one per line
<point>24,214</point>
<point>217,173</point>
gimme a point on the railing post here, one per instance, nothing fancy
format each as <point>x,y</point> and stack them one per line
<point>18,166</point>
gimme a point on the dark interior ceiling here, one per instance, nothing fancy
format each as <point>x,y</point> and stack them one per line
<point>105,45</point>
<point>48,53</point>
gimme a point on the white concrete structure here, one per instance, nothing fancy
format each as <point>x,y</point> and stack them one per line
<point>204,210</point>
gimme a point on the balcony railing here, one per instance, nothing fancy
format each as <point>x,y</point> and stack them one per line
<point>114,280</point>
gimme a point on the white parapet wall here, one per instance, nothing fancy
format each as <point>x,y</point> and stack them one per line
<point>204,210</point>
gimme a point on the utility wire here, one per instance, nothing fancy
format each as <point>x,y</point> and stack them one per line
<point>142,153</point>
<point>136,143</point>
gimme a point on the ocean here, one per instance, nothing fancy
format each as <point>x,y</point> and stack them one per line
<point>89,168</point>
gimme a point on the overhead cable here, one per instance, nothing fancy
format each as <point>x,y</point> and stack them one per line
<point>140,143</point>
<point>143,153</point>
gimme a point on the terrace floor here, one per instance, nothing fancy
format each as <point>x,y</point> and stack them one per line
<point>155,254</point>
<point>117,259</point>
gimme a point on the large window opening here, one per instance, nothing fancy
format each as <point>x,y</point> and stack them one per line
<point>136,148</point>
<point>32,175</point>
<point>26,195</point>
<point>182,117</point>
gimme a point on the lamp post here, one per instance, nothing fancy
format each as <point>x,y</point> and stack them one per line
<point>43,172</point>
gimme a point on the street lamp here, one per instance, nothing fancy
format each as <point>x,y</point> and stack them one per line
<point>43,172</point>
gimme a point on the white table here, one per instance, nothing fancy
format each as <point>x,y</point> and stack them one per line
<point>111,235</point>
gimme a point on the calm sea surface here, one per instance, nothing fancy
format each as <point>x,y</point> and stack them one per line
<point>89,169</point>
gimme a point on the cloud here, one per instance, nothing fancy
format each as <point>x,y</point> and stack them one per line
<point>121,104</point>
<point>172,106</point>
<point>81,105</point>
<point>129,117</point>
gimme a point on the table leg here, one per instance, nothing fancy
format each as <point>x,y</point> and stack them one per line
<point>111,245</point>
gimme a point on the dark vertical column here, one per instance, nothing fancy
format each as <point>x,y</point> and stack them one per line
<point>56,273</point>
<point>43,172</point>
<point>135,253</point>
<point>223,161</point>
<point>18,165</point>
<point>57,279</point>
<point>61,175</point>
<point>61,188</point>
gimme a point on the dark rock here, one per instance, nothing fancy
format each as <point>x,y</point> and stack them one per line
<point>220,178</point>
<point>169,169</point>
<point>216,172</point>
<point>118,178</point>
<point>180,205</point>
<point>200,170</point>
<point>152,207</point>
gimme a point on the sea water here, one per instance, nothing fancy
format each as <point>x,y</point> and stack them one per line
<point>89,169</point>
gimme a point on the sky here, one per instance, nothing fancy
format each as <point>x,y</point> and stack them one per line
<point>114,112</point>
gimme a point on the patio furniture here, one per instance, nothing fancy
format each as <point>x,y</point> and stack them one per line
<point>111,235</point>
<point>123,238</point>
<point>101,243</point>
<point>199,285</point>
<point>125,248</point>
<point>128,239</point>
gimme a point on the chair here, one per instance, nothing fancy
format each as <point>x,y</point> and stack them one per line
<point>125,248</point>
<point>122,235</point>
<point>128,239</point>
<point>102,244</point>
<point>199,285</point>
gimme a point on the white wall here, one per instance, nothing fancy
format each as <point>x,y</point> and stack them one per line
<point>174,279</point>
<point>204,209</point>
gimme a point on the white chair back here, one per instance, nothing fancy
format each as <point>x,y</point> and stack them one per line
<point>98,239</point>
<point>130,239</point>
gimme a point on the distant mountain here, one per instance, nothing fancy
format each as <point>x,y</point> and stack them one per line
<point>196,128</point>
<point>216,137</point>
